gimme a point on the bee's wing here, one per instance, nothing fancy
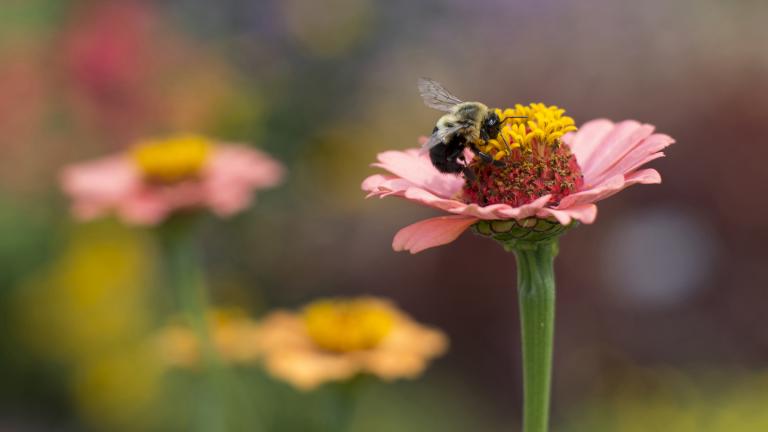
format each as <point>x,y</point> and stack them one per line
<point>436,96</point>
<point>439,135</point>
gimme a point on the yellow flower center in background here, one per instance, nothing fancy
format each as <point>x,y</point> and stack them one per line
<point>348,325</point>
<point>543,125</point>
<point>172,159</point>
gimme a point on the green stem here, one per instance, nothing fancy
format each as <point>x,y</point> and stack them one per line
<point>344,403</point>
<point>185,278</point>
<point>536,295</point>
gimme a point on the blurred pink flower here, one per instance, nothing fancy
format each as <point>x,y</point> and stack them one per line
<point>608,155</point>
<point>106,48</point>
<point>219,177</point>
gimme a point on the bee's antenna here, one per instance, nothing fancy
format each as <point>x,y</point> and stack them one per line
<point>511,117</point>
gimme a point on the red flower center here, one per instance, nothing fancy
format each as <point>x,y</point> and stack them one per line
<point>524,177</point>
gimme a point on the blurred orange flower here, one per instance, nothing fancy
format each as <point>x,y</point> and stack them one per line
<point>233,335</point>
<point>336,339</point>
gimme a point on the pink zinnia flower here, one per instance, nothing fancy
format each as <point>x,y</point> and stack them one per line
<point>549,173</point>
<point>156,178</point>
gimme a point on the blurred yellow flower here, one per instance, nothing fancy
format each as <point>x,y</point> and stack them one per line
<point>336,339</point>
<point>232,332</point>
<point>119,389</point>
<point>88,310</point>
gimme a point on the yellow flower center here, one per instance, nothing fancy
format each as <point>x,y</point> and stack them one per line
<point>348,325</point>
<point>542,126</point>
<point>172,159</point>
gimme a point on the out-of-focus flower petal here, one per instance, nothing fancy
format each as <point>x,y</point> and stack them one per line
<point>233,173</point>
<point>143,208</point>
<point>307,369</point>
<point>405,349</point>
<point>95,187</point>
<point>431,232</point>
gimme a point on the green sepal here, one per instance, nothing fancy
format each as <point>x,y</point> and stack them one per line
<point>521,234</point>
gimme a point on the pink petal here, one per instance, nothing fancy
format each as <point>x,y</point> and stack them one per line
<point>585,213</point>
<point>103,178</point>
<point>525,210</point>
<point>96,187</point>
<point>241,164</point>
<point>372,183</point>
<point>490,212</point>
<point>610,187</point>
<point>417,169</point>
<point>645,176</point>
<point>607,188</point>
<point>609,154</point>
<point>431,233</point>
<point>152,203</point>
<point>144,207</point>
<point>233,174</point>
<point>428,198</point>
<point>624,137</point>
<point>639,154</point>
<point>584,142</point>
<point>385,185</point>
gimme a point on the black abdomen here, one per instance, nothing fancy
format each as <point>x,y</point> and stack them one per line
<point>445,156</point>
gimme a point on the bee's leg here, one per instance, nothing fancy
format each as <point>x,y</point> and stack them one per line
<point>485,157</point>
<point>469,174</point>
<point>489,159</point>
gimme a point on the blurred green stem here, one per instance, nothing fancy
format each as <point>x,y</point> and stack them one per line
<point>536,296</point>
<point>185,277</point>
<point>345,403</point>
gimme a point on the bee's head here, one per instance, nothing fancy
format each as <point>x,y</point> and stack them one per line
<point>491,124</point>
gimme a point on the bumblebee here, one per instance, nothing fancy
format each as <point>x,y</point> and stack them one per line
<point>465,125</point>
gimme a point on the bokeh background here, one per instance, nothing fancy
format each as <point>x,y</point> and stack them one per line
<point>662,302</point>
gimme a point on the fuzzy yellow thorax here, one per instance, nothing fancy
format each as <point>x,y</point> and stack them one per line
<point>345,325</point>
<point>542,125</point>
<point>172,159</point>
